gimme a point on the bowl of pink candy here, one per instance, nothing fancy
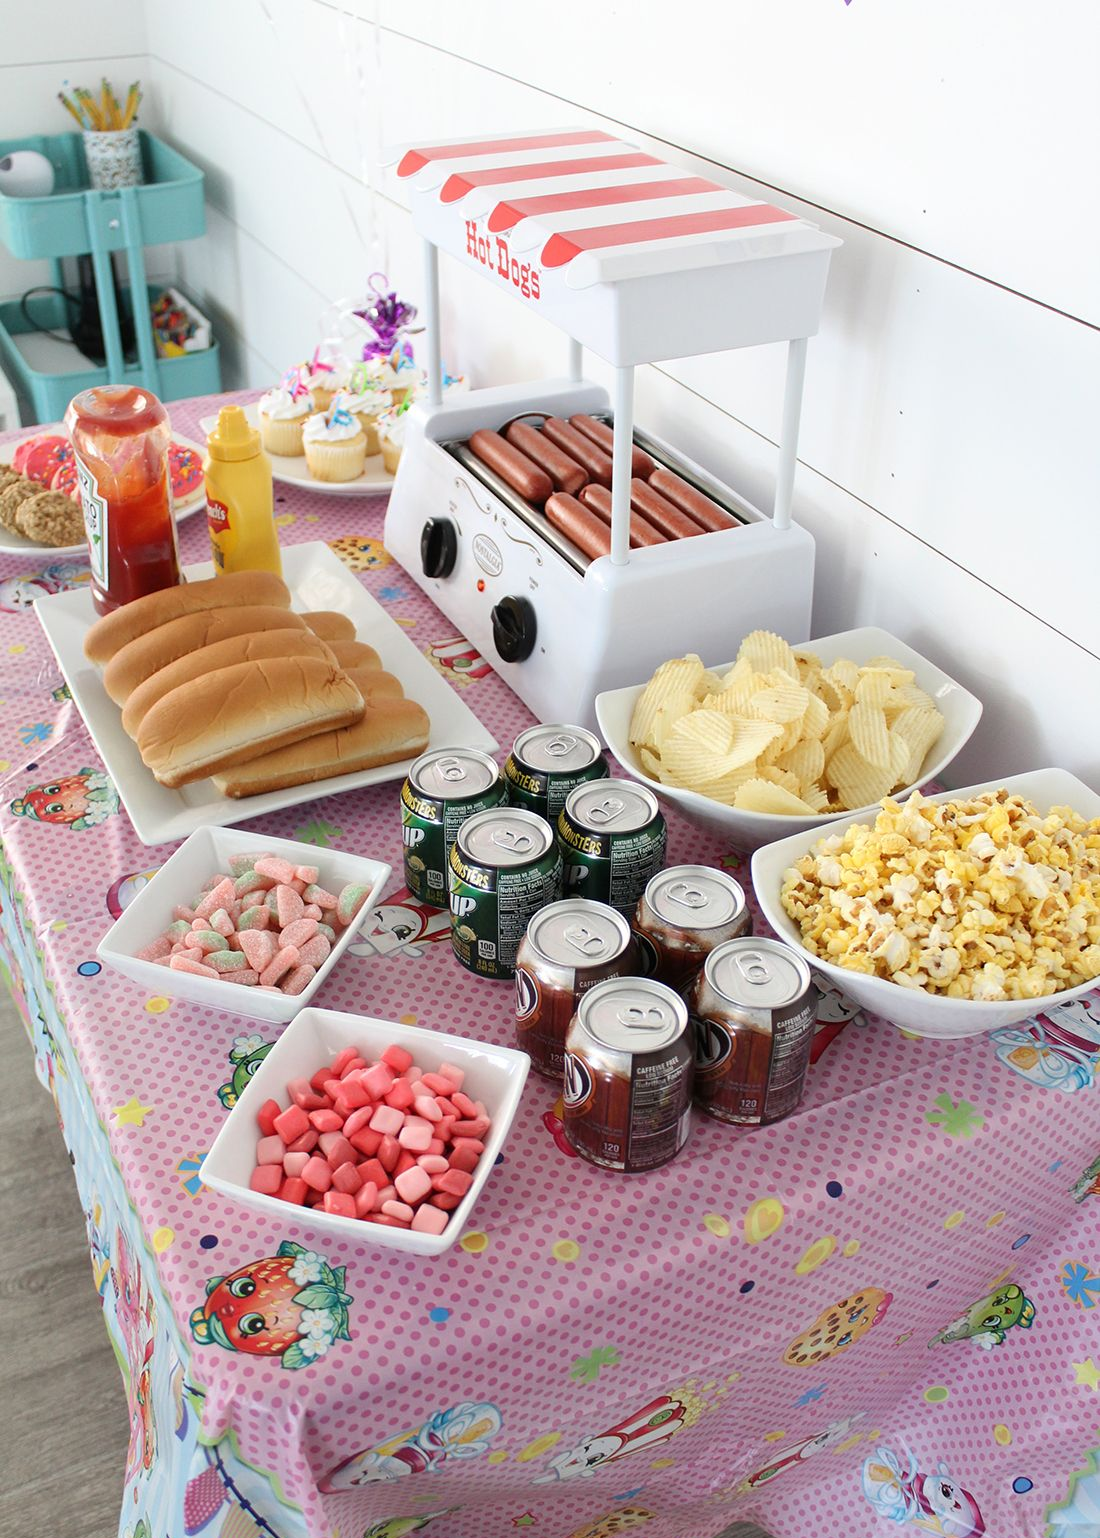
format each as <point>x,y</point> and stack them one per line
<point>376,1131</point>
<point>244,922</point>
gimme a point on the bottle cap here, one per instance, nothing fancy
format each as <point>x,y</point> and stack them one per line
<point>233,438</point>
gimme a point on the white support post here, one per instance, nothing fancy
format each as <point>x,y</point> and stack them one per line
<point>576,360</point>
<point>621,457</point>
<point>431,324</point>
<point>788,433</point>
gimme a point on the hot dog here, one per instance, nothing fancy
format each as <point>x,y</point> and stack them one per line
<point>705,512</point>
<point>579,524</point>
<point>663,515</point>
<point>566,473</point>
<point>520,472</point>
<point>580,448</point>
<point>642,531</point>
<point>602,435</point>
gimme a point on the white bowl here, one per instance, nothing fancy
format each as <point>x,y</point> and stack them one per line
<point>178,881</point>
<point>494,1075</point>
<point>925,1014</point>
<point>748,830</point>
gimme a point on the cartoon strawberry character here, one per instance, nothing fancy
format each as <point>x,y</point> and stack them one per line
<point>79,801</point>
<point>291,1305</point>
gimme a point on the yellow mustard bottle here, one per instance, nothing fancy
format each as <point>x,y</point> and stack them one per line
<point>239,498</point>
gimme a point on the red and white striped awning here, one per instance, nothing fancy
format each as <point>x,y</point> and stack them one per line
<point>581,196</point>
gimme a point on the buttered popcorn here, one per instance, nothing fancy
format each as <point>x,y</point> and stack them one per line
<point>978,899</point>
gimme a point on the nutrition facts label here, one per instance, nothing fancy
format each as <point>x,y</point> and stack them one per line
<point>520,894</point>
<point>634,859</point>
<point>792,1038</point>
<point>659,1110</point>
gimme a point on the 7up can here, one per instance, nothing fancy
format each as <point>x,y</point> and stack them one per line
<point>612,839</point>
<point>546,762</point>
<point>504,867</point>
<point>444,787</point>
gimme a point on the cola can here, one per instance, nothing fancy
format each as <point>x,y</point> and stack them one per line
<point>684,912</point>
<point>569,947</point>
<point>753,1008</point>
<point>629,1067</point>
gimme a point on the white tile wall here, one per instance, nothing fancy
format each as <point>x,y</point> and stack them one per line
<point>950,452</point>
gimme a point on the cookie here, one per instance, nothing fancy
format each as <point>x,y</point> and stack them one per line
<point>50,518</point>
<point>838,1327</point>
<point>359,552</point>
<point>12,495</point>
<point>8,476</point>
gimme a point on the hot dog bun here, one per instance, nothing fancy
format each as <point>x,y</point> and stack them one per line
<point>330,625</point>
<point>133,663</point>
<point>252,647</point>
<point>240,712</point>
<point>114,631</point>
<point>389,731</point>
<point>354,654</point>
<point>375,685</point>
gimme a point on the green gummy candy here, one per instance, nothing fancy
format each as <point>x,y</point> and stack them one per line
<point>177,929</point>
<point>210,940</point>
<point>351,899</point>
<point>328,932</point>
<point>226,961</point>
<point>253,918</point>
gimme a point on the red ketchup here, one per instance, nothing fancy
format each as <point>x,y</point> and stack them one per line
<point>120,436</point>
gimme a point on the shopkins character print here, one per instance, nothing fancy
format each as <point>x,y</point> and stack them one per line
<point>835,1011</point>
<point>458,659</point>
<point>403,1527</point>
<point>1059,1049</point>
<point>933,1502</point>
<point>797,1452</point>
<point>99,1245</point>
<point>291,1305</point>
<point>839,1327</point>
<point>645,1429</point>
<point>20,593</point>
<point>79,801</point>
<point>122,893</point>
<point>988,1321</point>
<point>552,1121</point>
<point>1087,1183</point>
<point>246,1055</point>
<point>136,1316</point>
<point>401,926</point>
<point>462,1432</point>
<point>621,1520</point>
<point>360,553</point>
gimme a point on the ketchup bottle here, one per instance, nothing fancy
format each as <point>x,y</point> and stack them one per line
<point>120,437</point>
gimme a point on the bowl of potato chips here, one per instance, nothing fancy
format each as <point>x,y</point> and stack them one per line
<point>949,915</point>
<point>786,738</point>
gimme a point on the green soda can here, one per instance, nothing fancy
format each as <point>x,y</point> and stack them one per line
<point>444,787</point>
<point>545,764</point>
<point>612,839</point>
<point>504,867</point>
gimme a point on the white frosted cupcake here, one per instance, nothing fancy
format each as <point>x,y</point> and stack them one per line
<point>335,444</point>
<point>282,416</point>
<point>391,436</point>
<point>366,399</point>
<point>326,374</point>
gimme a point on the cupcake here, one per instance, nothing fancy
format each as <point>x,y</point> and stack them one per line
<point>335,444</point>
<point>391,435</point>
<point>325,375</point>
<point>366,399</point>
<point>283,413</point>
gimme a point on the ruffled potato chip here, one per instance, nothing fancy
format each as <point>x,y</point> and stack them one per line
<point>762,796</point>
<point>815,723</point>
<point>919,729</point>
<point>780,703</point>
<point>856,782</point>
<point>868,731</point>
<point>674,683</point>
<point>805,760</point>
<point>764,651</point>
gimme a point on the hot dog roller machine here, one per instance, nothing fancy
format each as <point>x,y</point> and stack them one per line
<point>639,261</point>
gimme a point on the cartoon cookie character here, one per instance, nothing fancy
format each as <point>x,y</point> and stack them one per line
<point>798,1452</point>
<point>361,553</point>
<point>988,1321</point>
<point>79,801</point>
<point>839,1327</point>
<point>290,1305</point>
<point>463,1431</point>
<point>619,1521</point>
<point>246,1055</point>
<point>933,1502</point>
<point>646,1428</point>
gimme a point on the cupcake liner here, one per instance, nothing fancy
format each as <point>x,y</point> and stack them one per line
<point>282,435</point>
<point>339,460</point>
<point>369,424</point>
<point>391,456</point>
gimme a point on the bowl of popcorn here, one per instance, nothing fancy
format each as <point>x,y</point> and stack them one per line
<point>785,739</point>
<point>949,915</point>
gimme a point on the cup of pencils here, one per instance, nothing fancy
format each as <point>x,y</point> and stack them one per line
<point>112,148</point>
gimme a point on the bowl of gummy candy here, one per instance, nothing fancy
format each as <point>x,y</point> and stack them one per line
<point>376,1131</point>
<point>244,922</point>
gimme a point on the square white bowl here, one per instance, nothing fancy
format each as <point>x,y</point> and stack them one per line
<point>494,1075</point>
<point>925,1014</point>
<point>177,882</point>
<point>748,830</point>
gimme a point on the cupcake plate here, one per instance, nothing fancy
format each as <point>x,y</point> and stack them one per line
<point>294,471</point>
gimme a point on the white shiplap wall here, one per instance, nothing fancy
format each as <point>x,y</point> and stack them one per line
<point>950,446</point>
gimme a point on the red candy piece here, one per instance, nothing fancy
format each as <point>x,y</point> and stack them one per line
<point>291,1123</point>
<point>464,1159</point>
<point>400,1097</point>
<point>293,1189</point>
<point>346,1178</point>
<point>340,1204</point>
<point>266,1178</point>
<point>265,1116</point>
<point>365,1141</point>
<point>389,1151</point>
<point>398,1059</point>
<point>305,1143</point>
<point>317,1174</point>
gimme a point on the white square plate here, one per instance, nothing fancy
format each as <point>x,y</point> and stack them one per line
<point>317,579</point>
<point>178,882</point>
<point>925,1014</point>
<point>494,1075</point>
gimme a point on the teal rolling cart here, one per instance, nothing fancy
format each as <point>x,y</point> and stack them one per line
<point>75,219</point>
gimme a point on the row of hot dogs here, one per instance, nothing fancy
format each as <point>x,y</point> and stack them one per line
<point>564,468</point>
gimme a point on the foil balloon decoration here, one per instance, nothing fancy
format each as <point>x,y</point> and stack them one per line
<point>388,317</point>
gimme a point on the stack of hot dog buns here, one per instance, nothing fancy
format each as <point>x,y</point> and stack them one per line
<point>564,468</point>
<point>220,678</point>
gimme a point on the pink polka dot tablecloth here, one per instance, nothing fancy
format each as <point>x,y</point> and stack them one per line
<point>899,1286</point>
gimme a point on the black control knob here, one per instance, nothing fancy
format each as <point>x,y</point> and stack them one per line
<point>438,547</point>
<point>514,629</point>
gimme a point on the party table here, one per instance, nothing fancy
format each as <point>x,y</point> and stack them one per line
<point>599,1352</point>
